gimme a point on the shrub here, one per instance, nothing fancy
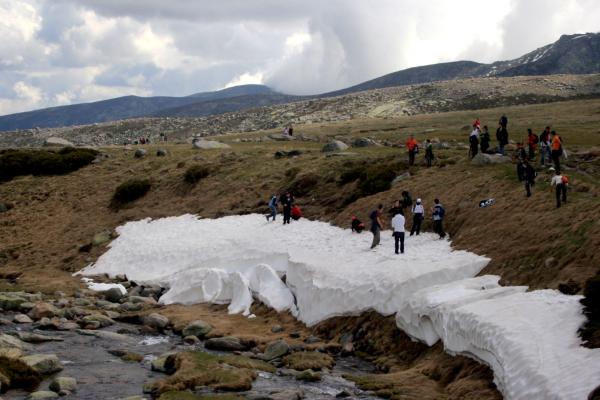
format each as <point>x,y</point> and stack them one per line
<point>195,173</point>
<point>376,179</point>
<point>352,174</point>
<point>303,184</point>
<point>131,190</point>
<point>43,162</point>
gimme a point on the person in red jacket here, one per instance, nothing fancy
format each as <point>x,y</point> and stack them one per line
<point>296,213</point>
<point>411,146</point>
<point>532,141</point>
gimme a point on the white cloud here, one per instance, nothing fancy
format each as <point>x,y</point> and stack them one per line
<point>246,78</point>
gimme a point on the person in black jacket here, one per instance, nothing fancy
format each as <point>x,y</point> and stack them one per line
<point>526,174</point>
<point>502,136</point>
<point>286,201</point>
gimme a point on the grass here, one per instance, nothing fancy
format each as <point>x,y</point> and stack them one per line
<point>304,360</point>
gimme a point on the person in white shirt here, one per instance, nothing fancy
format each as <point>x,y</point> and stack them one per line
<point>398,226</point>
<point>418,214</point>
<point>560,184</point>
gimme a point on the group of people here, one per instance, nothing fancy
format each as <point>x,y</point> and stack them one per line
<point>413,148</point>
<point>290,209</point>
<point>289,131</point>
<point>479,139</point>
<point>398,220</point>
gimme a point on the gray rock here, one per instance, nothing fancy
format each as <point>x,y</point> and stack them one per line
<point>334,145</point>
<point>197,328</point>
<point>191,340</point>
<point>156,321</point>
<point>209,144</point>
<point>346,341</point>
<point>42,310</point>
<point>139,153</point>
<point>312,339</point>
<point>141,300</point>
<point>103,320</point>
<point>161,152</point>
<point>225,343</point>
<point>158,364</point>
<point>308,375</point>
<point>11,342</point>
<point>82,302</point>
<point>276,349</point>
<point>29,337</point>
<point>550,262</point>
<point>44,364</point>
<point>57,142</point>
<point>63,383</point>
<point>113,294</point>
<point>129,306</point>
<point>276,328</point>
<point>22,319</point>
<point>363,142</point>
<point>42,394</point>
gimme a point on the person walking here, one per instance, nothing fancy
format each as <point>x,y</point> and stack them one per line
<point>474,142</point>
<point>545,148</point>
<point>560,183</point>
<point>272,207</point>
<point>556,150</point>
<point>418,213</point>
<point>411,146</point>
<point>438,218</point>
<point>286,201</point>
<point>485,140</point>
<point>398,227</point>
<point>428,153</point>
<point>376,225</point>
<point>526,174</point>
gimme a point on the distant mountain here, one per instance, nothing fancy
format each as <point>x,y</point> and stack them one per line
<point>571,54</point>
<point>130,107</point>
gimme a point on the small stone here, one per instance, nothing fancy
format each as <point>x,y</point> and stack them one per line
<point>156,321</point>
<point>161,152</point>
<point>312,339</point>
<point>22,319</point>
<point>550,262</point>
<point>225,343</point>
<point>277,329</point>
<point>141,300</point>
<point>103,320</point>
<point>82,302</point>
<point>29,337</point>
<point>197,328</point>
<point>139,153</point>
<point>308,376</point>
<point>158,364</point>
<point>44,364</point>
<point>295,335</point>
<point>128,306</point>
<point>276,349</point>
<point>113,294</point>
<point>63,383</point>
<point>191,340</point>
<point>42,394</point>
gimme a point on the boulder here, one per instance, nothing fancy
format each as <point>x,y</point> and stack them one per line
<point>42,394</point>
<point>156,321</point>
<point>209,144</point>
<point>139,153</point>
<point>63,383</point>
<point>225,343</point>
<point>161,152</point>
<point>42,310</point>
<point>43,364</point>
<point>276,349</point>
<point>347,343</point>
<point>363,142</point>
<point>191,340</point>
<point>334,145</point>
<point>22,319</point>
<point>197,328</point>
<point>57,142</point>
<point>113,294</point>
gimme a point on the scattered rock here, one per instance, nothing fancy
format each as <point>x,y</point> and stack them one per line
<point>291,153</point>
<point>156,321</point>
<point>570,287</point>
<point>312,339</point>
<point>139,153</point>
<point>295,335</point>
<point>158,364</point>
<point>162,152</point>
<point>43,364</point>
<point>346,341</point>
<point>197,328</point>
<point>103,320</point>
<point>334,145</point>
<point>141,300</point>
<point>225,343</point>
<point>309,376</point>
<point>42,310</point>
<point>57,142</point>
<point>11,302</point>
<point>63,383</point>
<point>276,349</point>
<point>22,319</point>
<point>126,355</point>
<point>363,142</point>
<point>129,306</point>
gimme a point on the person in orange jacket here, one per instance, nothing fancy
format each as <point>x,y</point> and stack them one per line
<point>411,146</point>
<point>556,150</point>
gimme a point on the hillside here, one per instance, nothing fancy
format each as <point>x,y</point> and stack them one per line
<point>571,54</point>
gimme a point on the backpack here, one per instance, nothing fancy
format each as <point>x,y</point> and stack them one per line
<point>564,179</point>
<point>536,139</point>
<point>440,211</point>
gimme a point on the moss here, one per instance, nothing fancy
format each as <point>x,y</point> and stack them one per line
<point>195,174</point>
<point>316,361</point>
<point>131,190</point>
<point>227,373</point>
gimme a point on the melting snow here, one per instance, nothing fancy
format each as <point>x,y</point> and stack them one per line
<point>529,339</point>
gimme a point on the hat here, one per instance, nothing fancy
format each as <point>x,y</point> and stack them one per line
<point>418,200</point>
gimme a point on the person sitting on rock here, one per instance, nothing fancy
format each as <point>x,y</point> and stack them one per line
<point>356,225</point>
<point>296,213</point>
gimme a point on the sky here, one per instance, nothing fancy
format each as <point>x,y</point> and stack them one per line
<point>59,52</point>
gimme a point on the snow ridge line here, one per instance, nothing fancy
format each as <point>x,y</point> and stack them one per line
<point>529,339</point>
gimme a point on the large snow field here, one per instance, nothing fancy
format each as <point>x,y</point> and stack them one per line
<point>529,339</point>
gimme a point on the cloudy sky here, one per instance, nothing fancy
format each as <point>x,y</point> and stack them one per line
<point>57,52</point>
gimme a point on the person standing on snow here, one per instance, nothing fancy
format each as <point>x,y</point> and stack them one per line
<point>376,225</point>
<point>398,227</point>
<point>438,217</point>
<point>560,183</point>
<point>418,214</point>
<point>411,146</point>
<point>286,201</point>
<point>273,207</point>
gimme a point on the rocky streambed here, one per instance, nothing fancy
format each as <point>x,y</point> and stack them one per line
<point>110,345</point>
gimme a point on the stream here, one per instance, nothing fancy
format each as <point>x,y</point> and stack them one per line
<point>101,375</point>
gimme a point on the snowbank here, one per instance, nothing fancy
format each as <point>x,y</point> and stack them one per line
<point>529,339</point>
